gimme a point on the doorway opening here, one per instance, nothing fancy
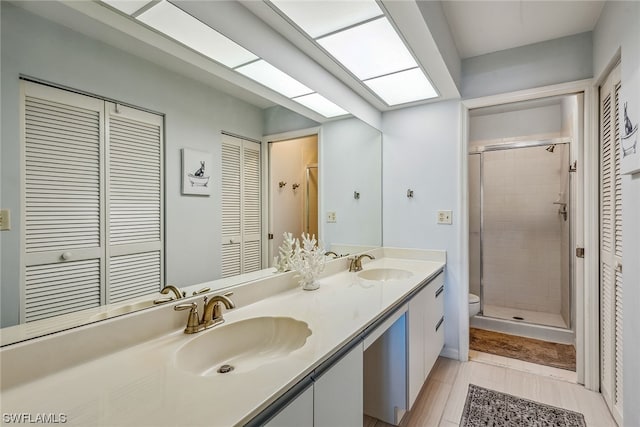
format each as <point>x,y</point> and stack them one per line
<point>522,210</point>
<point>293,189</point>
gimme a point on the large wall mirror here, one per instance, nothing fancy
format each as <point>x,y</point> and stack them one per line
<point>197,113</point>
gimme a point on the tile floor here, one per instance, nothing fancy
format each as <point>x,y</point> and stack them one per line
<point>536,317</point>
<point>442,398</point>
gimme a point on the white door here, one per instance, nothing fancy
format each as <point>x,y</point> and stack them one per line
<point>611,246</point>
<point>241,206</point>
<point>92,202</point>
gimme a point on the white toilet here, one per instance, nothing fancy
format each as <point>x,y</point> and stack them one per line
<point>474,305</point>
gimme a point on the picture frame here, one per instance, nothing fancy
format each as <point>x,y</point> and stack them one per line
<point>196,172</point>
<point>629,134</point>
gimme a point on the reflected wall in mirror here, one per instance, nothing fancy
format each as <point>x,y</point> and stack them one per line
<point>195,115</point>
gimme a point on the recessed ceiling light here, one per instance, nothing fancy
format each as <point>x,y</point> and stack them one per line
<point>369,50</point>
<point>320,104</point>
<point>191,32</point>
<point>318,18</point>
<point>268,75</point>
<point>127,6</point>
<point>400,88</point>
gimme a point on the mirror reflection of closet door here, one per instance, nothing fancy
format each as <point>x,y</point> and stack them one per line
<point>241,206</point>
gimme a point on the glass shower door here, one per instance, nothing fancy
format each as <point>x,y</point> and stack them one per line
<point>524,230</point>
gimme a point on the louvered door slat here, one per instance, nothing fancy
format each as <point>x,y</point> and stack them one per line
<point>611,310</point>
<point>251,208</point>
<point>63,172</point>
<point>134,275</point>
<point>135,178</point>
<point>231,204</point>
<point>618,340</point>
<point>55,289</point>
<point>617,181</point>
<point>230,190</point>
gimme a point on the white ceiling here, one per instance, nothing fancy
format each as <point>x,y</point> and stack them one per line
<point>480,27</point>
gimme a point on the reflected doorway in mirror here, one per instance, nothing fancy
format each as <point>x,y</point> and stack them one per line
<point>196,172</point>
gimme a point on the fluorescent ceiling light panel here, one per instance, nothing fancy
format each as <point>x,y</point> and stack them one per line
<point>191,32</point>
<point>268,75</point>
<point>399,88</point>
<point>318,18</point>
<point>369,50</point>
<point>127,6</point>
<point>320,104</point>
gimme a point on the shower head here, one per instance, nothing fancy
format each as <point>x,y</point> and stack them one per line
<point>551,148</point>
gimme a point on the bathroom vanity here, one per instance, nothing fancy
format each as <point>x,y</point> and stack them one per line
<point>296,357</point>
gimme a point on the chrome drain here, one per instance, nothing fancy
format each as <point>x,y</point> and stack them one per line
<point>225,369</point>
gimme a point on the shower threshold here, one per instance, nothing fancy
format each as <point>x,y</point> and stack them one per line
<point>523,328</point>
<point>536,317</point>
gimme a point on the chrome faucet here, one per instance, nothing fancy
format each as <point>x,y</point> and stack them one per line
<point>175,290</point>
<point>212,313</point>
<point>356,262</point>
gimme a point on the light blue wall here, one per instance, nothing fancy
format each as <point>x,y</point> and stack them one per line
<point>195,115</point>
<point>421,152</point>
<point>619,29</point>
<point>555,61</point>
<point>278,119</point>
<point>353,150</point>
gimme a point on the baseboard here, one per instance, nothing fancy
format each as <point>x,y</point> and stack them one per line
<point>450,353</point>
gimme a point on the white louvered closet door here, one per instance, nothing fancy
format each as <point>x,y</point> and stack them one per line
<point>62,232</point>
<point>231,205</point>
<point>134,203</point>
<point>251,208</point>
<point>241,206</point>
<point>611,310</point>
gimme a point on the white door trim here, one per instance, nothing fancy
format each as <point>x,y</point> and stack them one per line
<point>588,350</point>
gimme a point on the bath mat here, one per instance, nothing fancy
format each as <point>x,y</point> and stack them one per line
<point>486,407</point>
<point>561,356</point>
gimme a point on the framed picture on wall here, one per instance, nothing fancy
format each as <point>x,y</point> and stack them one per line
<point>196,172</point>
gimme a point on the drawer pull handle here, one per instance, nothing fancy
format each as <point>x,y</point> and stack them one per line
<point>439,291</point>
<point>439,323</point>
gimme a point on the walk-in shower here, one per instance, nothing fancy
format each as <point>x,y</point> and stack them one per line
<point>519,223</point>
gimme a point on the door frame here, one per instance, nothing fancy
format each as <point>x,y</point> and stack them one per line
<point>267,208</point>
<point>586,226</point>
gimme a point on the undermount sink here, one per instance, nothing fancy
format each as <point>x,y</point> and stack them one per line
<point>385,274</point>
<point>243,346</point>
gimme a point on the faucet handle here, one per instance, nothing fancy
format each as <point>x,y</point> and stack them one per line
<point>201,291</point>
<point>193,322</point>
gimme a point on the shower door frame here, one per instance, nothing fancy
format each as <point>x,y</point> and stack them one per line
<point>586,224</point>
<point>514,145</point>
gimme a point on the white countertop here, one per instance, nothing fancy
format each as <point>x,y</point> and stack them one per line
<point>142,385</point>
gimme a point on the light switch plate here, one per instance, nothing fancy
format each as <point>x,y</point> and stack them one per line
<point>444,217</point>
<point>5,220</point>
<point>331,217</point>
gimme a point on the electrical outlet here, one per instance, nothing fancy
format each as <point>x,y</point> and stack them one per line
<point>331,217</point>
<point>444,217</point>
<point>5,220</point>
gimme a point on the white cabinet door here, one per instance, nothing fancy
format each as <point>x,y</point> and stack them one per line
<point>338,394</point>
<point>298,413</point>
<point>425,334</point>
<point>417,334</point>
<point>434,327</point>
